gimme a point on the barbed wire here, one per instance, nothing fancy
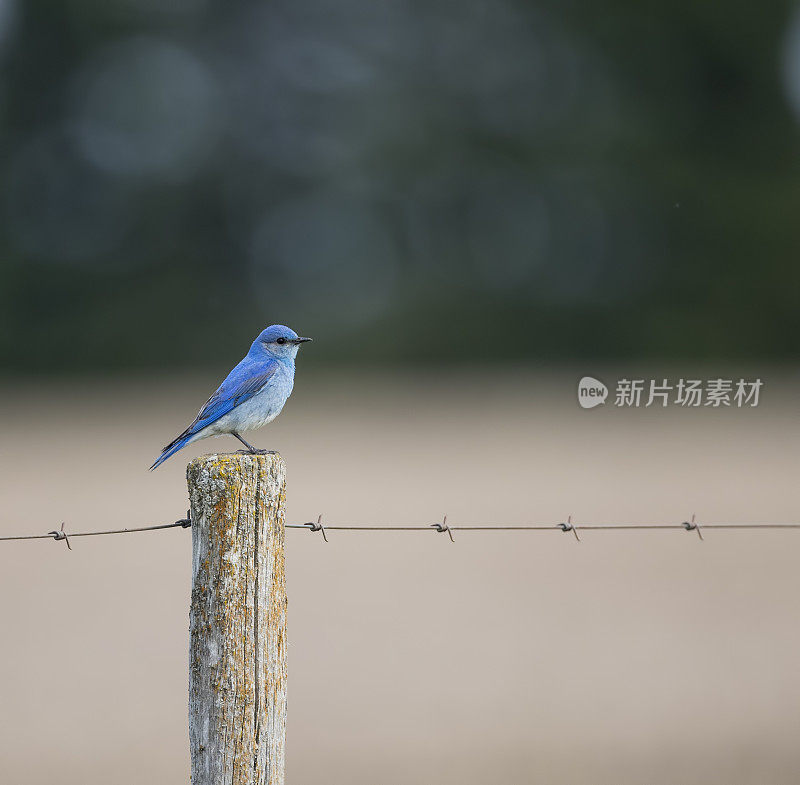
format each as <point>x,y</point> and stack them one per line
<point>565,526</point>
<point>436,528</point>
<point>60,534</point>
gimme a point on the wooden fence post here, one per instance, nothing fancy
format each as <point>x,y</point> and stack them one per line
<point>237,621</point>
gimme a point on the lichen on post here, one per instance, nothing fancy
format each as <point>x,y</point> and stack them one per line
<point>237,650</point>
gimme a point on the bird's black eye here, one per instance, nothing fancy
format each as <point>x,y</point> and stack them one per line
<point>281,340</point>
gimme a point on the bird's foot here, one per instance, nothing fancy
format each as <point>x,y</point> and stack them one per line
<point>256,451</point>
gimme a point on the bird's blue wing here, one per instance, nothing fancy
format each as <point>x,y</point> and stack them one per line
<point>242,383</point>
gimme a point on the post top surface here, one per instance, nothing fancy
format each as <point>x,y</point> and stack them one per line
<point>233,461</point>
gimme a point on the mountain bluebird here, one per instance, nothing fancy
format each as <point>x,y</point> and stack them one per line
<point>252,395</point>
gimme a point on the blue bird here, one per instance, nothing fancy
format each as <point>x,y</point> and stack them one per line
<point>252,395</point>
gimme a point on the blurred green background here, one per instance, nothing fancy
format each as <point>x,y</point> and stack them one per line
<point>408,181</point>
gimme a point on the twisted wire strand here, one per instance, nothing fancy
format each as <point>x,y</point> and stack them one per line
<point>553,527</point>
<point>444,527</point>
<point>185,523</point>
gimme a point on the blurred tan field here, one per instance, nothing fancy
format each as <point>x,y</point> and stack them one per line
<point>624,659</point>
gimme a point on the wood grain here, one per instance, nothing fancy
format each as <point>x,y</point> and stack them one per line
<point>237,655</point>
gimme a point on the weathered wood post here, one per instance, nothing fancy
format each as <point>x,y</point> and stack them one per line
<point>237,621</point>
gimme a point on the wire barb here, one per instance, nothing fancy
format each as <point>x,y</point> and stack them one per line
<point>61,535</point>
<point>693,526</point>
<point>569,526</point>
<point>443,527</point>
<point>317,527</point>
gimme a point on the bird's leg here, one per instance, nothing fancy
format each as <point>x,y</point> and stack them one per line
<point>250,449</point>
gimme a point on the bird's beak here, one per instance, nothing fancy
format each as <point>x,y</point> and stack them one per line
<point>301,340</point>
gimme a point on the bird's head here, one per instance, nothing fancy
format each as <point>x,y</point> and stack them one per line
<point>279,341</point>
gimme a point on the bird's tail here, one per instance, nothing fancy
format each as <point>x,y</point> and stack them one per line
<point>176,444</point>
